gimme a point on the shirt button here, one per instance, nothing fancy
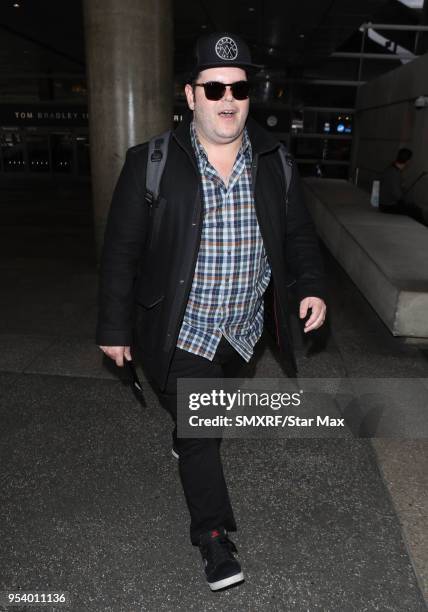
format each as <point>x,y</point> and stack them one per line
<point>181,281</point>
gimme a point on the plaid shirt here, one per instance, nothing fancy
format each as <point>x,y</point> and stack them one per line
<point>232,270</point>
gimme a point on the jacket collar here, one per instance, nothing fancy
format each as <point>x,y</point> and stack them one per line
<point>261,140</point>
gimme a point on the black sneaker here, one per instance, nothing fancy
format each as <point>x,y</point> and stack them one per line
<point>221,567</point>
<point>174,449</point>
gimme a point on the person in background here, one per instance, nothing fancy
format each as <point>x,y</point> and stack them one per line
<point>391,192</point>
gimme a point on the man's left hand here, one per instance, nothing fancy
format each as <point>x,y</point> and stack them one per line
<point>318,308</point>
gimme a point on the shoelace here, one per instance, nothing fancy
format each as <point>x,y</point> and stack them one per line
<point>218,550</point>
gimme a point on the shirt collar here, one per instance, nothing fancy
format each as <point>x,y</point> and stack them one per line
<point>246,146</point>
<point>201,155</point>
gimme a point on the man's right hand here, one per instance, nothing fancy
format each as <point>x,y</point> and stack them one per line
<point>117,353</point>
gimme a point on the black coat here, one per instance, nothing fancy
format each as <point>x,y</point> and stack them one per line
<point>148,260</point>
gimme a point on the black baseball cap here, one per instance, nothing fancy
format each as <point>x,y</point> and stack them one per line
<point>221,49</point>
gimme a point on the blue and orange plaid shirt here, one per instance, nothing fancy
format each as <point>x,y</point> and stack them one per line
<point>232,271</point>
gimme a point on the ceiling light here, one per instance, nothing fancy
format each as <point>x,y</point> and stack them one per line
<point>16,5</point>
<point>251,9</point>
<point>301,36</point>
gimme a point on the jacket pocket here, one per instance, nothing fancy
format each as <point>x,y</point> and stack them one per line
<point>148,301</point>
<point>149,288</point>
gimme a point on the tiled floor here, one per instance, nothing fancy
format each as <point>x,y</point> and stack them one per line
<point>92,502</point>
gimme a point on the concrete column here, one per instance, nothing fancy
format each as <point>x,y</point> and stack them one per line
<point>129,53</point>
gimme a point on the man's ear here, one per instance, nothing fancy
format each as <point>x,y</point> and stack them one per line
<point>188,90</point>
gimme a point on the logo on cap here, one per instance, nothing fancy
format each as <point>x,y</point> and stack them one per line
<point>226,48</point>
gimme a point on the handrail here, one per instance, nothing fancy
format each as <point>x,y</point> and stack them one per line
<point>393,26</point>
<point>378,56</point>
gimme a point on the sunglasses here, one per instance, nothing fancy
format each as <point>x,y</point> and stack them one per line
<point>214,90</point>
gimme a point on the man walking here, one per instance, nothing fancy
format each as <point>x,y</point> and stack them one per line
<point>204,265</point>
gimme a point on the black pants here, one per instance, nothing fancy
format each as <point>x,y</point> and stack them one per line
<point>200,466</point>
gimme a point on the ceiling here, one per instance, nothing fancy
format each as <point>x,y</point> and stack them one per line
<point>50,30</point>
<point>285,35</point>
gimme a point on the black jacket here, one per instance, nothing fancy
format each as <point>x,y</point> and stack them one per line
<point>148,259</point>
<point>390,188</point>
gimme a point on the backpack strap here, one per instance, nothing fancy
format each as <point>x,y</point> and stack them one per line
<point>287,165</point>
<point>156,160</point>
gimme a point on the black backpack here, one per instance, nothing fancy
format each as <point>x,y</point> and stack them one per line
<point>156,160</point>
